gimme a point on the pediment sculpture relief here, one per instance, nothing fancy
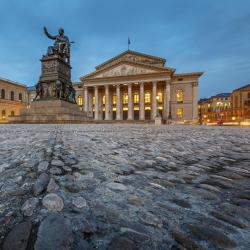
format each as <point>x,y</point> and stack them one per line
<point>125,70</point>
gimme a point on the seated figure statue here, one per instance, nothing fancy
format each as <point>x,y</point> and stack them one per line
<point>61,45</point>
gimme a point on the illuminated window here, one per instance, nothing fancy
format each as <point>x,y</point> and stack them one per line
<point>179,95</point>
<point>104,99</point>
<point>79,100</point>
<point>12,95</point>
<point>179,113</point>
<point>93,100</point>
<point>147,97</point>
<point>20,97</point>
<point>136,98</point>
<point>125,98</point>
<point>3,114</point>
<point>159,96</point>
<point>3,94</point>
<point>114,99</point>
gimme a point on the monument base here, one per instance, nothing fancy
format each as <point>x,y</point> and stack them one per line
<point>50,111</point>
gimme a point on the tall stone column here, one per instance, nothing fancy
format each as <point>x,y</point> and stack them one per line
<point>166,105</point>
<point>154,101</point>
<point>86,100</point>
<point>130,103</point>
<point>96,103</point>
<point>195,101</point>
<point>142,103</point>
<point>118,103</point>
<point>107,103</point>
<point>90,107</point>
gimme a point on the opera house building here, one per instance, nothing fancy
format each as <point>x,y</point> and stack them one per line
<point>137,86</point>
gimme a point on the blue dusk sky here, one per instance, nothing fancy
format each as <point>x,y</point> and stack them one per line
<point>193,35</point>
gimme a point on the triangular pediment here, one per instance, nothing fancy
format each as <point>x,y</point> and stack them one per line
<point>133,56</point>
<point>126,68</point>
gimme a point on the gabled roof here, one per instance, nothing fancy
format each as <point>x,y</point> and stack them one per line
<point>162,60</point>
<point>128,62</point>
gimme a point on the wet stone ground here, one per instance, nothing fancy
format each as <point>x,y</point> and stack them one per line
<point>124,187</point>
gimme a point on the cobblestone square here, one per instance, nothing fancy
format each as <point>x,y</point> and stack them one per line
<point>124,187</point>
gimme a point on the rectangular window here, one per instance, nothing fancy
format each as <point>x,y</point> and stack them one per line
<point>179,113</point>
<point>179,95</point>
<point>12,95</point>
<point>159,97</point>
<point>104,99</point>
<point>136,98</point>
<point>147,97</point>
<point>114,99</point>
<point>93,100</point>
<point>125,98</point>
<point>79,100</point>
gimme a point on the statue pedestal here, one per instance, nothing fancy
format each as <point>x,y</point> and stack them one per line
<point>50,111</point>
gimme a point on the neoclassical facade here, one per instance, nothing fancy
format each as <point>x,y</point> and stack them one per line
<point>137,86</point>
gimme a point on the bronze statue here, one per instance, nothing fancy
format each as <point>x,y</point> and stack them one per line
<point>61,45</point>
<point>55,79</point>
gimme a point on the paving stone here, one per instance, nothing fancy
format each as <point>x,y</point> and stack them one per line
<point>52,186</point>
<point>29,206</point>
<point>79,202</point>
<point>43,166</point>
<point>212,235</point>
<point>55,171</point>
<point>18,237</point>
<point>116,186</point>
<point>121,243</point>
<point>54,233</point>
<point>40,184</point>
<point>228,219</point>
<point>53,202</point>
<point>57,163</point>
<point>185,240</point>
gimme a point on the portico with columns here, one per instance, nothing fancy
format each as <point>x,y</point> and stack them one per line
<point>137,86</point>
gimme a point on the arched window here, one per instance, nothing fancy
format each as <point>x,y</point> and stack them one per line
<point>12,113</point>
<point>12,96</point>
<point>3,94</point>
<point>179,95</point>
<point>147,97</point>
<point>79,100</point>
<point>3,114</point>
<point>20,97</point>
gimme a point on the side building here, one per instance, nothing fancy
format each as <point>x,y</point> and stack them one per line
<point>136,86</point>
<point>215,108</point>
<point>13,98</point>
<point>228,108</point>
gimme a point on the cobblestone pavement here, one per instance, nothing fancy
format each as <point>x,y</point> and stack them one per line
<point>124,187</point>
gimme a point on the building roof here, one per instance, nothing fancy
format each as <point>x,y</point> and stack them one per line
<point>245,86</point>
<point>13,82</point>
<point>221,95</point>
<point>163,60</point>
